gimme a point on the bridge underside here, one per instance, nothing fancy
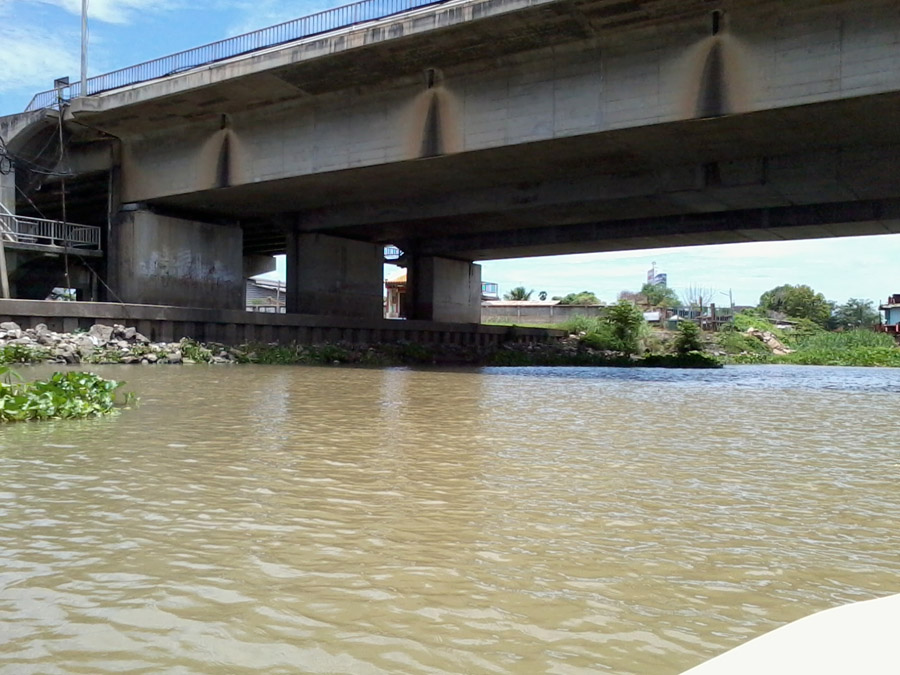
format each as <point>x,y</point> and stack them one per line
<point>800,172</point>
<point>491,129</point>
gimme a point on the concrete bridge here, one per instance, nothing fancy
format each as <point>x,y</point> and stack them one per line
<point>469,130</point>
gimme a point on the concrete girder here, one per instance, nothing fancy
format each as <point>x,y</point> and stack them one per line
<point>830,175</point>
<point>809,221</point>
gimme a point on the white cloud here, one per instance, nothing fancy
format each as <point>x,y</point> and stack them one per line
<point>110,11</point>
<point>28,57</point>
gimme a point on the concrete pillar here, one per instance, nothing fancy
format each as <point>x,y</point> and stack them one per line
<point>444,290</point>
<point>7,205</point>
<point>159,260</point>
<point>7,189</point>
<point>331,275</point>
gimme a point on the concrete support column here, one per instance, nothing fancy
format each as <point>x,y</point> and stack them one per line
<point>8,190</point>
<point>331,275</point>
<point>446,290</point>
<point>159,260</point>
<point>8,201</point>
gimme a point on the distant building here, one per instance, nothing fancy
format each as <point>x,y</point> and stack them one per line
<point>490,290</point>
<point>655,278</point>
<point>395,295</point>
<point>891,311</point>
<point>263,295</point>
<point>395,288</point>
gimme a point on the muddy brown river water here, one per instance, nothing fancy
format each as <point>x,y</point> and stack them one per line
<point>337,520</point>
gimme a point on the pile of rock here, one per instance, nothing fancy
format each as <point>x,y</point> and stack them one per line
<point>775,345</point>
<point>100,344</point>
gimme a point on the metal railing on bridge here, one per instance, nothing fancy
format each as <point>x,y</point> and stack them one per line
<point>289,31</point>
<point>46,234</point>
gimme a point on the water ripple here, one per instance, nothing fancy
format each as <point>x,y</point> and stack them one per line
<point>281,520</point>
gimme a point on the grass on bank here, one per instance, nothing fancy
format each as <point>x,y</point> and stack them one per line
<point>811,345</point>
<point>858,347</point>
<point>62,396</point>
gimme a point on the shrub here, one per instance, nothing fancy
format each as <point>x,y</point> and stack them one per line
<point>602,338</point>
<point>628,326</point>
<point>688,339</point>
<point>583,324</point>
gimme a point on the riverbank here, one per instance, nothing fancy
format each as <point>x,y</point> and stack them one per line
<point>754,340</point>
<point>119,344</point>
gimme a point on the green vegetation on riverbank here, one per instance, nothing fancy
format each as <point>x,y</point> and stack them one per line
<point>618,339</point>
<point>569,353</point>
<point>859,347</point>
<point>63,395</point>
<point>806,344</point>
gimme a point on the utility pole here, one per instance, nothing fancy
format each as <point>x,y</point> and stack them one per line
<point>84,45</point>
<point>4,278</point>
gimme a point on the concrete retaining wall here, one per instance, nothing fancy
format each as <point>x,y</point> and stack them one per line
<point>537,314</point>
<point>233,327</point>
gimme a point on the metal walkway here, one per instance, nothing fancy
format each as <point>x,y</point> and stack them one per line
<point>52,236</point>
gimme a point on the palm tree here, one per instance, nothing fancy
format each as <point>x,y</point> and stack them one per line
<point>518,293</point>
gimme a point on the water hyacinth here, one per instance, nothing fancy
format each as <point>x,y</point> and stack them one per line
<point>63,395</point>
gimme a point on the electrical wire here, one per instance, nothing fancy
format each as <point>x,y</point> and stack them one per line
<point>62,193</point>
<point>10,162</point>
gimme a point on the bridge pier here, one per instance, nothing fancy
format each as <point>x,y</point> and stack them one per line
<point>444,290</point>
<point>8,190</point>
<point>160,260</point>
<point>334,276</point>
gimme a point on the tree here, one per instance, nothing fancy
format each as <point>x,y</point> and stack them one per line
<point>659,296</point>
<point>799,302</point>
<point>628,326</point>
<point>699,297</point>
<point>583,298</point>
<point>688,338</point>
<point>518,293</point>
<point>856,313</point>
<point>634,297</point>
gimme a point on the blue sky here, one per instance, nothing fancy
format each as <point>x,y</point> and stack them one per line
<point>41,41</point>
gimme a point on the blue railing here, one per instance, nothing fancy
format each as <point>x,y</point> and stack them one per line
<point>314,24</point>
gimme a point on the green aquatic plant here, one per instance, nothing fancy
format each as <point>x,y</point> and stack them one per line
<point>63,395</point>
<point>194,351</point>
<point>16,353</point>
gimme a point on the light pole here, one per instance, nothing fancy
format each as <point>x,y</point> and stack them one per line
<point>730,301</point>
<point>84,45</point>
